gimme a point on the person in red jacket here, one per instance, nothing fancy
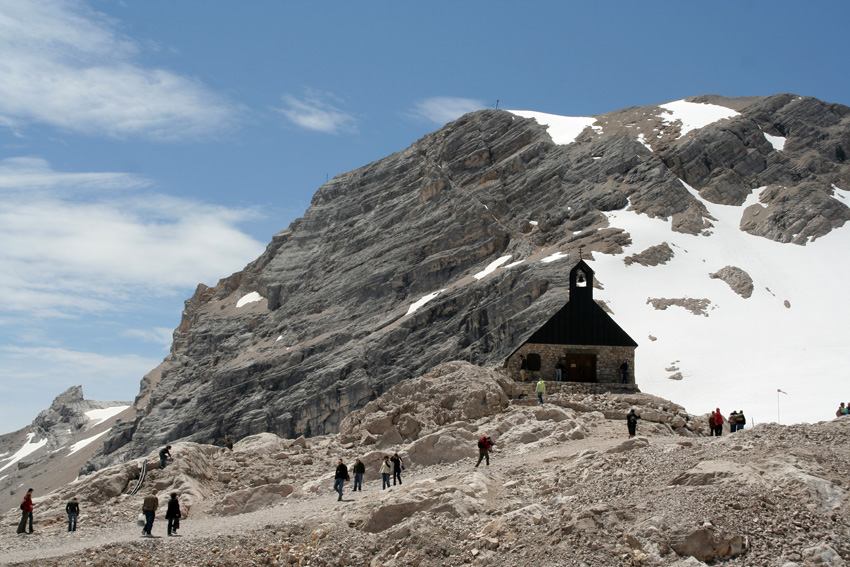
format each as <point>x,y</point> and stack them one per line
<point>26,514</point>
<point>484,446</point>
<point>718,423</point>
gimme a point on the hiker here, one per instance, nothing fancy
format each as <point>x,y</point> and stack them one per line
<point>742,421</point>
<point>163,454</point>
<point>484,446</point>
<point>733,422</point>
<point>149,506</point>
<point>397,466</point>
<point>718,423</point>
<point>523,366</point>
<point>340,477</point>
<point>26,514</point>
<point>540,389</point>
<point>559,371</point>
<point>72,508</point>
<point>624,368</point>
<point>386,469</point>
<point>172,514</point>
<point>359,469</point>
<point>226,442</point>
<point>631,422</point>
<point>842,410</point>
<point>711,425</point>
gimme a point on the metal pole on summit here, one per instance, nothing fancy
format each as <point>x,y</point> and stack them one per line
<point>778,391</point>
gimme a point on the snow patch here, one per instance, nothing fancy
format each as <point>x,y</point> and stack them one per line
<point>80,444</point>
<point>642,139</point>
<point>751,347</point>
<point>417,304</point>
<point>101,415</point>
<point>28,448</point>
<point>695,115</point>
<point>555,256</point>
<point>563,129</point>
<point>778,142</point>
<point>491,267</point>
<point>249,298</point>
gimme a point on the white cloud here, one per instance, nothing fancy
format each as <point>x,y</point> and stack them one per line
<point>79,242</point>
<point>65,65</point>
<point>443,109</point>
<point>317,110</point>
<point>38,369</point>
<point>157,335</point>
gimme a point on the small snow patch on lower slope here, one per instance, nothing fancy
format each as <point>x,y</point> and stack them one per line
<point>249,298</point>
<point>80,444</point>
<point>491,267</point>
<point>417,304</point>
<point>28,448</point>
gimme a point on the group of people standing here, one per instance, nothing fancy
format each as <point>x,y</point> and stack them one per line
<point>389,466</point>
<point>172,513</point>
<point>737,421</point>
<point>72,508</point>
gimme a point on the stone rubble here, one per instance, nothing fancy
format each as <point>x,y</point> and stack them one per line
<point>565,487</point>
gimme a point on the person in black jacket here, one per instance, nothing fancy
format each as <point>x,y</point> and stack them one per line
<point>396,461</point>
<point>359,470</point>
<point>164,453</point>
<point>173,515</point>
<point>631,422</point>
<point>340,477</point>
<point>72,508</point>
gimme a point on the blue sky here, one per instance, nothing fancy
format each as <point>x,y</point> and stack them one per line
<point>146,147</point>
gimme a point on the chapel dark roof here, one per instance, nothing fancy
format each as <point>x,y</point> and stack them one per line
<point>582,321</point>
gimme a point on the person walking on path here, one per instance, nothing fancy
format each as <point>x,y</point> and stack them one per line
<point>72,508</point>
<point>742,421</point>
<point>540,389</point>
<point>149,506</point>
<point>26,513</point>
<point>359,469</point>
<point>172,514</point>
<point>397,466</point>
<point>718,423</point>
<point>484,446</point>
<point>340,477</point>
<point>631,422</point>
<point>386,470</point>
<point>711,425</point>
<point>164,453</point>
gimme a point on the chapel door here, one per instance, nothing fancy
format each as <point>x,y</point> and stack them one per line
<point>581,367</point>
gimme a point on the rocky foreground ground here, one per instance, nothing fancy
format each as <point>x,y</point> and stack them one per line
<point>565,487</point>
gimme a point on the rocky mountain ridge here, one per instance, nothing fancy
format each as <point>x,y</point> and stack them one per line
<point>49,452</point>
<point>326,320</point>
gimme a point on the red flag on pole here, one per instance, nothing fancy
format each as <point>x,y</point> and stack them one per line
<point>781,392</point>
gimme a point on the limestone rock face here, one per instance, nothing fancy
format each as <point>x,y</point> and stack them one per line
<point>384,277</point>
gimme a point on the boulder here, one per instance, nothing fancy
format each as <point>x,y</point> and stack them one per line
<point>252,499</point>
